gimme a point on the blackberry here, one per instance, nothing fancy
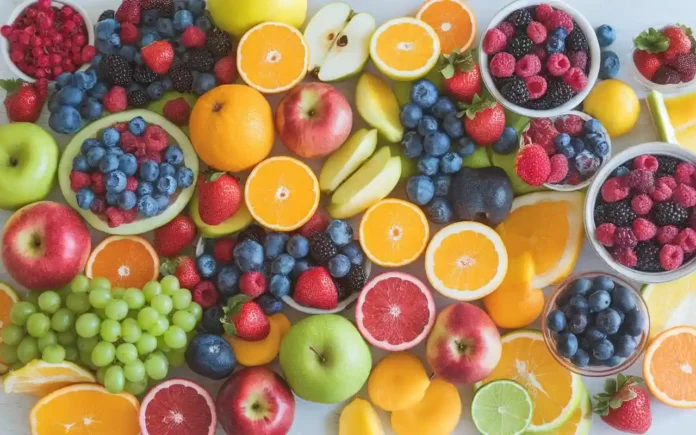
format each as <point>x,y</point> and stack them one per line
<point>355,280</point>
<point>200,60</point>
<point>667,165</point>
<point>182,79</point>
<point>321,248</point>
<point>137,98</point>
<point>558,92</point>
<point>670,213</point>
<point>342,290</point>
<point>600,214</point>
<point>648,254</point>
<point>620,213</point>
<point>144,75</point>
<point>109,13</point>
<point>116,70</point>
<point>538,104</point>
<point>252,232</point>
<point>520,46</point>
<point>520,18</point>
<point>218,43</point>
<point>576,40</point>
<point>165,7</point>
<point>515,91</point>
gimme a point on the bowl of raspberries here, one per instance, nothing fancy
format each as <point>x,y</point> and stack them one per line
<point>640,212</point>
<point>539,59</point>
<point>665,59</point>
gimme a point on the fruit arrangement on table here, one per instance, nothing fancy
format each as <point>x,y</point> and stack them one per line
<point>169,82</point>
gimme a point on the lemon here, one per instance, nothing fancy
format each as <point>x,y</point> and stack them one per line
<point>615,105</point>
<point>238,16</point>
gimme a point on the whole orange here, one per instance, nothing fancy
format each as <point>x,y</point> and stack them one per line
<point>231,128</point>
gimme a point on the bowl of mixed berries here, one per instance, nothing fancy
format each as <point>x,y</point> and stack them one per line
<point>640,212</point>
<point>539,60</point>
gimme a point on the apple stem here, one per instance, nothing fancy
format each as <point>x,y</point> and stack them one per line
<point>321,357</point>
<point>13,162</point>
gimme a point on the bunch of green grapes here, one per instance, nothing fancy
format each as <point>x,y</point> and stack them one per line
<point>128,336</point>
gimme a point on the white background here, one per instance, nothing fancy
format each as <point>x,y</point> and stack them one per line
<point>629,17</point>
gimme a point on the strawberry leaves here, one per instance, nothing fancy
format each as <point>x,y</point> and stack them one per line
<point>448,64</point>
<point>616,393</point>
<point>232,310</point>
<point>11,85</point>
<point>652,41</point>
<point>477,105</point>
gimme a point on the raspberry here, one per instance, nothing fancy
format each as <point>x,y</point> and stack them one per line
<point>543,12</point>
<point>121,126</point>
<point>624,237</point>
<point>114,217</point>
<point>129,143</point>
<point>129,33</point>
<point>533,165</point>
<point>536,85</point>
<point>625,256</point>
<point>570,124</point>
<point>205,294</point>
<point>156,139</point>
<point>542,132</point>
<point>665,235</point>
<point>507,28</point>
<point>661,193</point>
<point>536,32</point>
<point>684,172</point>
<point>494,41</point>
<point>685,195</point>
<point>129,216</point>
<point>193,37</point>
<point>605,234</point>
<point>528,66</point>
<point>98,183</point>
<point>615,189</point>
<point>78,180</point>
<point>558,64</point>
<point>252,284</point>
<point>560,19</point>
<point>317,223</point>
<point>98,205</point>
<point>578,59</point>
<point>671,257</point>
<point>178,111</point>
<point>116,100</point>
<point>576,79</point>
<point>540,52</point>
<point>644,229</point>
<point>559,168</point>
<point>131,184</point>
<point>574,177</point>
<point>640,180</point>
<point>222,249</point>
<point>686,239</point>
<point>641,204</point>
<point>646,161</point>
<point>502,65</point>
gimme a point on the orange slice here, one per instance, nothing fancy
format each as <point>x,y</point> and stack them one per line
<point>85,410</point>
<point>8,297</point>
<point>394,233</point>
<point>41,378</point>
<point>405,48</point>
<point>272,57</point>
<point>126,261</point>
<point>453,21</point>
<point>282,193</point>
<point>466,261</point>
<point>669,365</point>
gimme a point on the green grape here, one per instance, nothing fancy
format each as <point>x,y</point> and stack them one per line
<point>53,353</point>
<point>12,334</point>
<point>71,354</point>
<point>117,292</point>
<point>159,327</point>
<point>146,344</point>
<point>85,358</point>
<point>103,354</point>
<point>196,310</point>
<point>78,303</point>
<point>99,297</point>
<point>136,388</point>
<point>130,331</point>
<point>49,302</point>
<point>177,358</point>
<point>47,340</point>
<point>101,372</point>
<point>28,349</point>
<point>67,338</point>
<point>134,371</point>
<point>20,312</point>
<point>110,330</point>
<point>157,366</point>
<point>169,284</point>
<point>184,320</point>
<point>62,320</point>
<point>38,325</point>
<point>79,284</point>
<point>161,345</point>
<point>181,299</point>
<point>133,314</point>
<point>151,289</point>
<point>100,312</point>
<point>8,354</point>
<point>147,317</point>
<point>134,298</point>
<point>87,325</point>
<point>175,337</point>
<point>163,304</point>
<point>100,282</point>
<point>87,344</point>
<point>126,353</point>
<point>33,298</point>
<point>116,309</point>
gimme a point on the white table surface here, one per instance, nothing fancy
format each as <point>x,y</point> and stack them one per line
<point>629,17</point>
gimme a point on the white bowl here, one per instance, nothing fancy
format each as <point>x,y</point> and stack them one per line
<point>5,44</point>
<point>595,54</point>
<point>652,86</point>
<point>659,148</point>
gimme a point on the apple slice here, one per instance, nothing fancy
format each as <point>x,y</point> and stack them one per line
<point>377,105</point>
<point>347,159</point>
<point>349,54</point>
<point>322,30</point>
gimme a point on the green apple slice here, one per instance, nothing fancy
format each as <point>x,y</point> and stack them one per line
<point>239,220</point>
<point>322,31</point>
<point>660,117</point>
<point>377,105</point>
<point>347,159</point>
<point>477,159</point>
<point>349,54</point>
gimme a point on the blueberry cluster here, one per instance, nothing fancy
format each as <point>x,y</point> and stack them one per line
<point>598,322</point>
<point>77,97</point>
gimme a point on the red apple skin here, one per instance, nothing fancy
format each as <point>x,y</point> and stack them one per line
<point>45,245</point>
<point>258,386</point>
<point>464,346</point>
<point>314,119</point>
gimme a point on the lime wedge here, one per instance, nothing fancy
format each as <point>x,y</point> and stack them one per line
<point>502,408</point>
<point>347,159</point>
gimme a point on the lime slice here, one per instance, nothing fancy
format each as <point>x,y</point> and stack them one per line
<point>502,408</point>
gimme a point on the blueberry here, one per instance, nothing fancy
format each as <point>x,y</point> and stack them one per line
<point>439,211</point>
<point>165,169</point>
<point>300,267</point>
<point>106,28</point>
<point>206,265</point>
<point>577,323</point>
<point>427,125</point>
<point>165,27</point>
<point>63,80</point>
<point>567,150</point>
<point>623,299</point>
<point>184,177</point>
<point>609,65</point>
<point>567,344</point>
<point>560,33</point>
<point>136,125</point>
<point>297,246</point>
<point>114,42</point>
<point>84,80</point>
<point>634,323</point>
<point>106,47</point>
<point>586,163</point>
<point>65,120</point>
<point>180,5</point>
<point>555,45</point>
<point>466,146</point>
<point>204,23</point>
<point>147,39</point>
<point>150,16</point>
<point>613,361</point>
<point>134,87</point>
<point>80,163</point>
<point>274,244</point>
<point>601,148</point>
<point>594,334</point>
<point>556,321</point>
<point>593,126</point>
<point>580,286</point>
<point>280,285</point>
<point>128,52</point>
<point>453,126</point>
<point>424,93</point>
<point>442,183</point>
<point>269,304</point>
<point>579,304</point>
<point>144,188</point>
<point>410,115</point>
<point>605,35</point>
<point>108,163</point>
<point>154,90</point>
<point>211,320</point>
<point>608,321</point>
<point>412,145</point>
<point>96,59</point>
<point>138,59</point>
<point>149,171</point>
<point>85,198</point>
<point>166,185</point>
<point>98,91</point>
<point>203,83</point>
<point>354,253</point>
<point>603,349</point>
<point>620,171</point>
<point>599,300</point>
<point>585,344</point>
<point>581,358</point>
<point>578,145</point>
<point>147,206</point>
<point>248,255</point>
<point>283,264</point>
<point>442,107</point>
<point>115,151</point>
<point>162,200</point>
<point>167,83</point>
<point>110,137</point>
<point>127,200</point>
<point>420,189</point>
<point>562,141</point>
<point>53,104</point>
<point>228,280</point>
<point>339,266</point>
<point>196,7</point>
<point>436,144</point>
<point>508,142</point>
<point>340,232</point>
<point>624,345</point>
<point>112,198</point>
<point>115,182</point>
<point>603,282</point>
<point>450,163</point>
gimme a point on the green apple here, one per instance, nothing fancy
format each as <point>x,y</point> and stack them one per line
<point>325,359</point>
<point>377,105</point>
<point>28,164</point>
<point>477,159</point>
<point>345,160</point>
<point>239,220</point>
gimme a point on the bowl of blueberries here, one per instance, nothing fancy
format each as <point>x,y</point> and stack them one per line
<point>595,324</point>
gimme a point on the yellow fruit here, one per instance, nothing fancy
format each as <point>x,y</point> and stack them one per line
<point>437,414</point>
<point>614,104</point>
<point>674,118</point>
<point>238,16</point>
<point>347,159</point>
<point>359,418</point>
<point>668,367</point>
<point>41,378</point>
<point>453,21</point>
<point>670,304</point>
<point>378,106</point>
<point>258,353</point>
<point>8,298</point>
<point>405,48</point>
<point>581,420</point>
<point>398,382</point>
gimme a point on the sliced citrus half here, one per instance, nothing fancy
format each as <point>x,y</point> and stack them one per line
<point>671,304</point>
<point>581,420</point>
<point>668,367</point>
<point>272,57</point>
<point>405,48</point>
<point>8,297</point>
<point>178,406</point>
<point>549,226</point>
<point>555,390</point>
<point>502,408</point>
<point>85,409</point>
<point>466,261</point>
<point>282,193</point>
<point>41,378</point>
<point>394,232</point>
<point>453,21</point>
<point>126,261</point>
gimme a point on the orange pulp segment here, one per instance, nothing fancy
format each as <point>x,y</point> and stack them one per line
<point>405,48</point>
<point>40,378</point>
<point>126,261</point>
<point>669,364</point>
<point>453,21</point>
<point>8,298</point>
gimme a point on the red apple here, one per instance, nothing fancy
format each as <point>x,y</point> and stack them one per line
<point>45,245</point>
<point>255,400</point>
<point>464,346</point>
<point>313,119</point>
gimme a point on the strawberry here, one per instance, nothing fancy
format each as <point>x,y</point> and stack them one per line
<point>222,249</point>
<point>24,101</point>
<point>462,75</point>
<point>226,70</point>
<point>193,37</point>
<point>245,319</point>
<point>205,294</point>
<point>679,41</point>
<point>484,120</point>
<point>128,12</point>
<point>623,405</point>
<point>317,223</point>
<point>219,196</point>
<point>315,288</point>
<point>158,56</point>
<point>647,63</point>
<point>176,235</point>
<point>177,110</point>
<point>184,268</point>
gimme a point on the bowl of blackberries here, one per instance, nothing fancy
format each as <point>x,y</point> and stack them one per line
<point>595,324</point>
<point>539,59</point>
<point>640,212</point>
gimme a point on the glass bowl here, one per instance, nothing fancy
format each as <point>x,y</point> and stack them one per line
<point>594,371</point>
<point>652,86</point>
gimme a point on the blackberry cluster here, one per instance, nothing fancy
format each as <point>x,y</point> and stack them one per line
<point>667,165</point>
<point>515,90</point>
<point>182,78</point>
<point>648,254</point>
<point>218,43</point>
<point>116,70</point>
<point>165,7</point>
<point>200,60</point>
<point>619,213</point>
<point>558,92</point>
<point>521,18</point>
<point>576,40</point>
<point>144,75</point>
<point>600,214</point>
<point>137,98</point>
<point>539,104</point>
<point>520,46</point>
<point>321,248</point>
<point>670,213</point>
<point>355,280</point>
<point>252,232</point>
<point>342,290</point>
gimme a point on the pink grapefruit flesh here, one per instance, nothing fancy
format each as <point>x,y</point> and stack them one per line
<point>178,407</point>
<point>395,311</point>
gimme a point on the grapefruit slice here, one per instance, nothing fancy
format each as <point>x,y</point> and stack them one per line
<point>395,311</point>
<point>178,406</point>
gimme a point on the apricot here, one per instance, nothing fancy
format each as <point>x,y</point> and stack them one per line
<point>437,413</point>
<point>398,382</point>
<point>258,353</point>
